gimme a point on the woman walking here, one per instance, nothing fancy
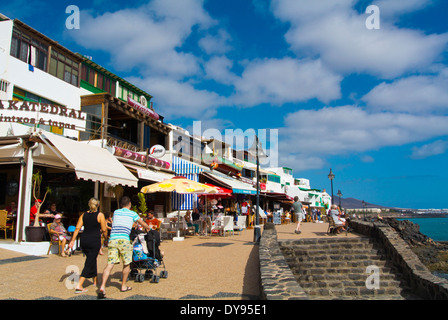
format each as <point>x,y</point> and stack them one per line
<point>94,224</point>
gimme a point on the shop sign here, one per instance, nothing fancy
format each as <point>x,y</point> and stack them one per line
<point>138,106</point>
<point>28,112</point>
<point>135,156</point>
<point>157,151</point>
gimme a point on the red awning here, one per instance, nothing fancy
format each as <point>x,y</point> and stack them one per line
<point>222,192</point>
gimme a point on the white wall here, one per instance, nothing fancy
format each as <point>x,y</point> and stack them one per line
<point>37,82</point>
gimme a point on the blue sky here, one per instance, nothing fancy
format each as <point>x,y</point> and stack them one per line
<point>370,104</point>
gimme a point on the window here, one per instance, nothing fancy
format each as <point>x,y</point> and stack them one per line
<point>29,50</point>
<point>85,73</point>
<point>64,68</point>
<point>273,178</point>
<point>99,82</point>
<point>22,95</point>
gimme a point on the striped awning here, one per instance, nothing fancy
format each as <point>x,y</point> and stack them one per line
<point>190,171</point>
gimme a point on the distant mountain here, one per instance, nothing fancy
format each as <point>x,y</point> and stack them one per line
<point>352,203</point>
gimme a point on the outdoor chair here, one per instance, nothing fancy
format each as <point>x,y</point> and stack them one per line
<point>167,230</point>
<point>53,242</point>
<point>4,223</point>
<point>217,227</point>
<point>239,224</point>
<point>228,225</point>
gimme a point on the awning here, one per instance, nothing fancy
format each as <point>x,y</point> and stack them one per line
<point>90,162</point>
<point>278,196</point>
<point>235,186</point>
<point>148,174</point>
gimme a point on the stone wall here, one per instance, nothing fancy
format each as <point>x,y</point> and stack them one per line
<point>278,282</point>
<point>418,277</point>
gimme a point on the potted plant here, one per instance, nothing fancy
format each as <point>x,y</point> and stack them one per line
<point>142,207</point>
<point>36,232</point>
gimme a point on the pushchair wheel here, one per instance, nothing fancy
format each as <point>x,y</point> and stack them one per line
<point>155,279</point>
<point>133,274</point>
<point>148,274</point>
<point>139,278</point>
<point>164,274</point>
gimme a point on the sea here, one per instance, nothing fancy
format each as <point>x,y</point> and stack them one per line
<point>434,228</point>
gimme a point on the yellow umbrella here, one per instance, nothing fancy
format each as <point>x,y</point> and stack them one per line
<point>180,185</point>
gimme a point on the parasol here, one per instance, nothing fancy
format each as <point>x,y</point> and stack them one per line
<point>222,192</point>
<point>180,185</point>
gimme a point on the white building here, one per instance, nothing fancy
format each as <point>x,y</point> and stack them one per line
<point>36,69</point>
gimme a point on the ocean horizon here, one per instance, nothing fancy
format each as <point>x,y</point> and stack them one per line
<point>434,228</point>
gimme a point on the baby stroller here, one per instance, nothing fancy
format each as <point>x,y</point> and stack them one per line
<point>146,258</point>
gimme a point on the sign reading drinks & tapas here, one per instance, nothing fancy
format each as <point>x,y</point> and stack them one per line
<point>34,113</point>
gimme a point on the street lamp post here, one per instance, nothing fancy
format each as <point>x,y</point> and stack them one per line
<point>340,195</point>
<point>364,209</point>
<point>258,152</point>
<point>331,177</point>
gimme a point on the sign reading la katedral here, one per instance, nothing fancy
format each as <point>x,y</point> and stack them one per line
<point>28,112</point>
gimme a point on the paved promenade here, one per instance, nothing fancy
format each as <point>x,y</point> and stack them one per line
<point>213,267</point>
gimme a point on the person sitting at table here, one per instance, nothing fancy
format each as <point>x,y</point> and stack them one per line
<point>190,223</point>
<point>58,232</point>
<point>200,219</point>
<point>34,209</point>
<point>12,208</point>
<point>269,215</point>
<point>50,213</point>
<point>287,216</point>
<point>151,221</point>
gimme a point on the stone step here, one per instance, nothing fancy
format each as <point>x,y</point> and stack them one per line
<point>339,257</point>
<point>298,270</point>
<point>337,277</point>
<point>311,253</point>
<point>347,292</point>
<point>313,241</point>
<point>336,268</point>
<point>336,263</point>
<point>347,247</point>
<point>343,283</point>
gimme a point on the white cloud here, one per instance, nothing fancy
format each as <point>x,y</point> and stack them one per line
<point>398,7</point>
<point>146,37</point>
<point>216,44</point>
<point>175,99</point>
<point>431,149</point>
<point>219,68</point>
<point>279,81</point>
<point>301,162</point>
<point>346,129</point>
<point>337,34</point>
<point>416,94</point>
<point>367,159</point>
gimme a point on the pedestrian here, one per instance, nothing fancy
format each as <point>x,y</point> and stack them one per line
<point>298,212</point>
<point>94,224</point>
<point>120,246</point>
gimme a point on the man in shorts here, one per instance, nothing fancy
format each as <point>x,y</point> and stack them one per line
<point>120,246</point>
<point>298,211</point>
